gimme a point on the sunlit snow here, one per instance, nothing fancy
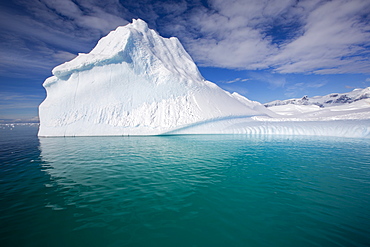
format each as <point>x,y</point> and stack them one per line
<point>135,82</point>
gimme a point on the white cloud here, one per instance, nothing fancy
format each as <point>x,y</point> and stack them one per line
<point>316,36</point>
<point>235,80</point>
<point>332,41</point>
<point>273,79</point>
<point>225,39</point>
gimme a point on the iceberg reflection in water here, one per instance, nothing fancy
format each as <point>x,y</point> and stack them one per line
<point>210,190</point>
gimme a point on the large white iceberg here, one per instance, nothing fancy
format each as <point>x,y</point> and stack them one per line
<point>135,82</point>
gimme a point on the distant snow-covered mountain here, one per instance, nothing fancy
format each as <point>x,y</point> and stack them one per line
<point>333,99</point>
<point>354,105</point>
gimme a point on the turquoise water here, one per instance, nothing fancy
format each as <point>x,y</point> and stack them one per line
<point>206,190</point>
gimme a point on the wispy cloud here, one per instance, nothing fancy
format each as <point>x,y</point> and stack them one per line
<point>10,96</point>
<point>274,80</point>
<point>49,32</point>
<point>235,80</point>
<point>14,105</point>
<point>300,88</point>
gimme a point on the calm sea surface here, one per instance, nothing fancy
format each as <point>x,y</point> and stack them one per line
<point>205,190</point>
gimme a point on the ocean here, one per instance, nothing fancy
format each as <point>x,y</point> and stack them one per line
<point>183,190</point>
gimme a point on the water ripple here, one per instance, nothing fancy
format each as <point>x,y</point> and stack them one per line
<point>187,191</point>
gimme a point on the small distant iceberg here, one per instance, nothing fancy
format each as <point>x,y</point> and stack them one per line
<point>135,82</point>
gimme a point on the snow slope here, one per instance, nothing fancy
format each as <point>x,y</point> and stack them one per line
<point>134,82</point>
<point>352,105</point>
<point>356,110</point>
<point>334,99</point>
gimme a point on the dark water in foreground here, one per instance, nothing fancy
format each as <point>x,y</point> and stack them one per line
<point>218,190</point>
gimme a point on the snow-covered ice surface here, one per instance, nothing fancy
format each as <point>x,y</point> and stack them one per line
<point>333,99</point>
<point>135,82</point>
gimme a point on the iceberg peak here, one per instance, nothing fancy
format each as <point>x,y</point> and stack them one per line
<point>137,45</point>
<point>139,24</point>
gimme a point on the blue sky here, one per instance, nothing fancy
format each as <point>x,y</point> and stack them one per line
<point>265,50</point>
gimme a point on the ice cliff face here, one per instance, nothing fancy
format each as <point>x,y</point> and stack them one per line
<point>134,82</point>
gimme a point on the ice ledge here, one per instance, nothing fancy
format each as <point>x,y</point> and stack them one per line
<point>111,49</point>
<point>87,61</point>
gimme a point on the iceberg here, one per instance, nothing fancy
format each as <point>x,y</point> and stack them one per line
<point>135,82</point>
